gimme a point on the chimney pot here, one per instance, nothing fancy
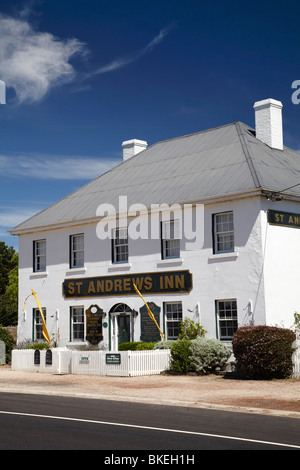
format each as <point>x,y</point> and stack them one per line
<point>268,122</point>
<point>133,147</point>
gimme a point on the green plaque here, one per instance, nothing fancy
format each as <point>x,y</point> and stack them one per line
<point>149,330</point>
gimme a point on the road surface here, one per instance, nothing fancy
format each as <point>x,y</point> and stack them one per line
<point>53,422</point>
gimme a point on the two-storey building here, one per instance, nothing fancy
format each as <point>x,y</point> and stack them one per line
<point>206,225</point>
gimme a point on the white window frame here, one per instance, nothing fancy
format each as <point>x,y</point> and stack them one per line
<point>77,321</point>
<point>76,252</point>
<point>170,239</point>
<point>227,317</point>
<point>120,245</point>
<point>223,232</point>
<point>173,318</point>
<point>38,324</point>
<point>39,256</point>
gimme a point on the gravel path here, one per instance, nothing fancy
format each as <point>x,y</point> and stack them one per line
<point>278,397</point>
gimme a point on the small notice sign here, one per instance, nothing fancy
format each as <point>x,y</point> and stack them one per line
<point>112,358</point>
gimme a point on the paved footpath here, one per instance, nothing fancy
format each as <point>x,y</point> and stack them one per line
<point>275,397</point>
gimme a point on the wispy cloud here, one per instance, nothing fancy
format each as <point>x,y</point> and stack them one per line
<point>56,167</point>
<point>121,62</point>
<point>34,62</point>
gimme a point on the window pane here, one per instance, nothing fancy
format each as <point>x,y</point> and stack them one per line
<point>77,251</point>
<point>173,319</point>
<point>78,323</point>
<point>120,245</point>
<point>224,233</point>
<point>228,323</point>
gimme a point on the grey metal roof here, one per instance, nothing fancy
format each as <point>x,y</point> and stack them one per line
<point>212,163</point>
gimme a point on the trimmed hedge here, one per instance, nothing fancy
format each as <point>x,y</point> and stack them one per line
<point>136,346</point>
<point>180,356</point>
<point>263,352</point>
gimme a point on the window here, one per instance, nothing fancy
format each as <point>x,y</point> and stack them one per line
<point>120,245</point>
<point>38,324</point>
<point>173,315</point>
<point>223,233</point>
<point>39,256</point>
<point>227,317</point>
<point>170,239</point>
<point>77,324</point>
<point>77,251</point>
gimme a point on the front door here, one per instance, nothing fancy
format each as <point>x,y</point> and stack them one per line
<point>123,329</point>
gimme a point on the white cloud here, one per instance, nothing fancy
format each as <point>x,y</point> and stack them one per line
<point>123,61</point>
<point>56,167</point>
<point>34,62</point>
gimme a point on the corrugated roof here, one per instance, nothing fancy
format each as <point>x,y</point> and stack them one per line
<point>212,163</point>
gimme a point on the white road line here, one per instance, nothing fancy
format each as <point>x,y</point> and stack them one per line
<point>151,428</point>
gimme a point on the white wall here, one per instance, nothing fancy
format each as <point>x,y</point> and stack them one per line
<point>237,275</point>
<point>281,266</point>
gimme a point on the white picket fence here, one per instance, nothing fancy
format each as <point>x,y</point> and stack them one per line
<point>296,359</point>
<point>121,363</point>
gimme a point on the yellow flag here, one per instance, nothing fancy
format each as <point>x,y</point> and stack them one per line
<point>45,331</point>
<point>150,314</point>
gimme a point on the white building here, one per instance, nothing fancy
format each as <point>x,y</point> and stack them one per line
<point>243,268</point>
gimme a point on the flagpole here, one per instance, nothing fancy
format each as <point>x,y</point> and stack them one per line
<point>44,331</point>
<point>150,314</point>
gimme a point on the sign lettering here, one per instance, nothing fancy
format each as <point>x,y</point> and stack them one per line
<point>154,283</point>
<point>286,219</point>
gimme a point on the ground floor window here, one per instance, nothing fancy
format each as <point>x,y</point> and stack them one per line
<point>38,324</point>
<point>227,318</point>
<point>77,324</point>
<point>173,315</point>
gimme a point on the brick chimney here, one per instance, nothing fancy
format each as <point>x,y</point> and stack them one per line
<point>268,122</point>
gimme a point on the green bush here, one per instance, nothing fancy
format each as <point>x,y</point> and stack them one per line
<point>135,346</point>
<point>180,356</point>
<point>39,346</point>
<point>190,330</point>
<point>9,343</point>
<point>263,352</point>
<point>208,355</point>
<point>162,344</point>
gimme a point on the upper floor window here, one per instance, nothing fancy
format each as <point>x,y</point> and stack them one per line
<point>77,251</point>
<point>223,232</point>
<point>170,239</point>
<point>39,256</point>
<point>120,245</point>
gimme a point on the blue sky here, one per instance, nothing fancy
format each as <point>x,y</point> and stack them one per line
<point>82,76</point>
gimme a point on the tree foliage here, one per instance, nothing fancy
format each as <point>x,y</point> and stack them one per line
<point>8,285</point>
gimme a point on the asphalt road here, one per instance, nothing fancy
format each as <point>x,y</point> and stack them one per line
<point>36,422</point>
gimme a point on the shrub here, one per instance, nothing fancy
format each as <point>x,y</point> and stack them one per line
<point>135,346</point>
<point>263,352</point>
<point>9,343</point>
<point>180,356</point>
<point>39,346</point>
<point>190,330</point>
<point>208,355</point>
<point>162,344</point>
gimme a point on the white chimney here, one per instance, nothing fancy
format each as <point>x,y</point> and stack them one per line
<point>133,147</point>
<point>268,122</point>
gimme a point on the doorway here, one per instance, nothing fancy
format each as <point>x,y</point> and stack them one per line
<point>121,325</point>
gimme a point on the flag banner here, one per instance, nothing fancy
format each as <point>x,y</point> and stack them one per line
<point>45,331</point>
<point>151,314</point>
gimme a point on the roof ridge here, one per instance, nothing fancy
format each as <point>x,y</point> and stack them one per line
<point>247,154</point>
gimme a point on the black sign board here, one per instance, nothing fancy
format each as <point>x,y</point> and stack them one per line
<point>149,330</point>
<point>37,357</point>
<point>112,358</point>
<point>147,283</point>
<point>286,219</point>
<point>94,317</point>
<point>48,357</point>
